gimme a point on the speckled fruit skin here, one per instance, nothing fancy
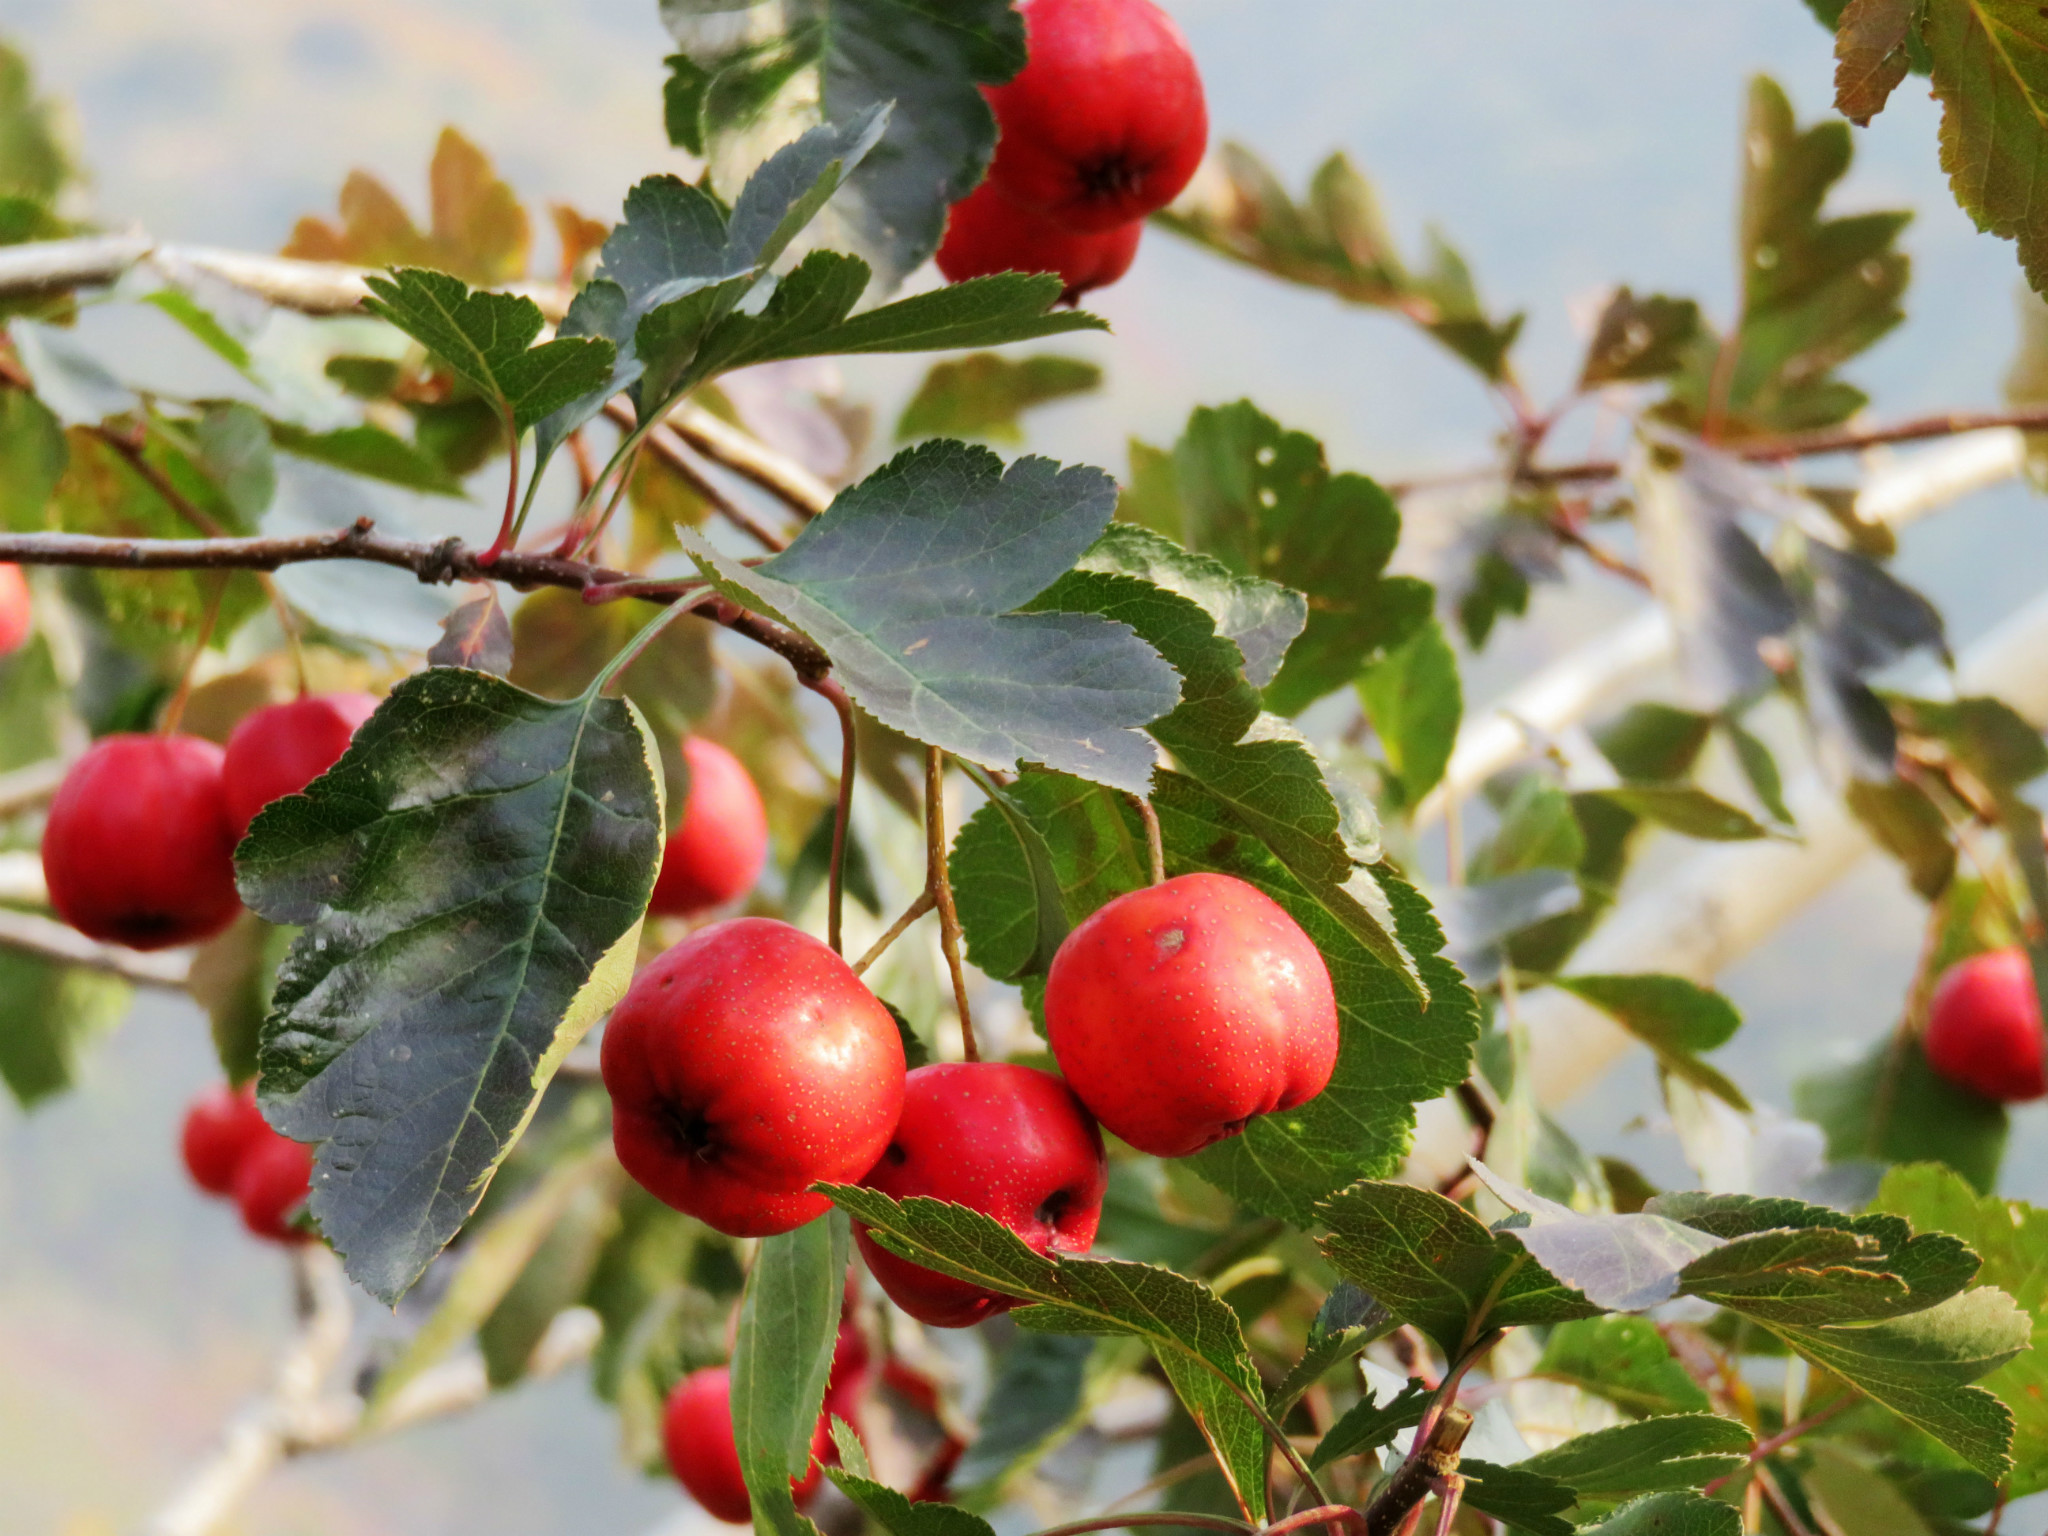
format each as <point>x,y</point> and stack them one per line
<point>1984,1027</point>
<point>1180,1012</point>
<point>696,1431</point>
<point>986,233</point>
<point>1106,122</point>
<point>715,853</point>
<point>138,849</point>
<point>220,1128</point>
<point>280,749</point>
<point>272,1182</point>
<point>746,1064</point>
<point>17,616</point>
<point>1011,1142</point>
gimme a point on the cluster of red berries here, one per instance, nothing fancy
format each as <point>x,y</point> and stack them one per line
<point>139,848</point>
<point>1104,125</point>
<point>1984,1028</point>
<point>229,1150</point>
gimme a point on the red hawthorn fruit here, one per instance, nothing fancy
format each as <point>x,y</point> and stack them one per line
<point>220,1128</point>
<point>1984,1027</point>
<point>280,749</point>
<point>715,853</point>
<point>1012,1142</point>
<point>696,1430</point>
<point>986,233</point>
<point>1180,1012</point>
<point>271,1183</point>
<point>17,616</point>
<point>1106,122</point>
<point>744,1065</point>
<point>138,849</point>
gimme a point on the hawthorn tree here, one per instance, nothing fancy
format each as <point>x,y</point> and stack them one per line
<point>953,734</point>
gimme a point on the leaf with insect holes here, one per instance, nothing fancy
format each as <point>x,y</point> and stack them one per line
<point>911,581</point>
<point>836,60</point>
<point>431,995</point>
<point>487,340</point>
<point>1194,1335</point>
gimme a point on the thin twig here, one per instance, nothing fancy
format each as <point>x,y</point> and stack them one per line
<point>1780,1505</point>
<point>26,788</point>
<point>924,903</point>
<point>1780,1440</point>
<point>667,445</point>
<point>842,811</point>
<point>36,935</point>
<point>1155,845</point>
<point>940,885</point>
<point>747,456</point>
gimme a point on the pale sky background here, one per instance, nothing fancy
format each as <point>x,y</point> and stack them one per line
<point>1563,146</point>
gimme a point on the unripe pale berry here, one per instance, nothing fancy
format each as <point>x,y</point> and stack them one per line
<point>744,1065</point>
<point>1106,122</point>
<point>986,234</point>
<point>220,1128</point>
<point>1984,1027</point>
<point>280,749</point>
<point>715,853</point>
<point>1011,1142</point>
<point>138,848</point>
<point>1181,1012</point>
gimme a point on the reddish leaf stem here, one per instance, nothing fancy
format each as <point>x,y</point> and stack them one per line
<point>828,689</point>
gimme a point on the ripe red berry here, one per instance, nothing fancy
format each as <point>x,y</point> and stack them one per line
<point>1106,122</point>
<point>17,617</point>
<point>220,1128</point>
<point>1180,1012</point>
<point>138,848</point>
<point>715,853</point>
<point>986,233</point>
<point>746,1064</point>
<point>1984,1027</point>
<point>271,1184</point>
<point>1011,1142</point>
<point>696,1430</point>
<point>280,749</point>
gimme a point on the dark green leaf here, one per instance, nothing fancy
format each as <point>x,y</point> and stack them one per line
<point>1760,768</point>
<point>1435,1265</point>
<point>1347,1321</point>
<point>1537,831</point>
<point>899,1517</point>
<point>812,867</point>
<point>1687,810</point>
<point>53,1015</point>
<point>1893,1107</point>
<point>431,996</point>
<point>32,457</point>
<point>1625,1360</point>
<point>1006,888</point>
<point>487,339</point>
<point>840,59</point>
<point>1685,1450</point>
<point>367,450</point>
<point>983,395</point>
<point>982,312</point>
<point>1639,338</point>
<point>1654,742</point>
<point>782,1359</point>
<point>909,582</point>
<point>1991,76</point>
<point>1366,1425</point>
<point>1670,1514</point>
<point>1413,699</point>
<point>1908,826</point>
<point>1676,1018</point>
<point>1194,1335</point>
<point>1518,1498</point>
<point>1036,1392</point>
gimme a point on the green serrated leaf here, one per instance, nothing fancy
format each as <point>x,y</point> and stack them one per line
<point>1007,890</point>
<point>1624,1360</point>
<point>1991,77</point>
<point>1366,1425</point>
<point>1347,1321</point>
<point>1675,1017</point>
<point>782,1359</point>
<point>910,581</point>
<point>1414,700</point>
<point>1519,1499</point>
<point>368,450</point>
<point>1195,1336</point>
<point>899,1517</point>
<point>487,340</point>
<point>430,997</point>
<point>1435,1265</point>
<point>1686,1450</point>
<point>984,394</point>
<point>1670,1514</point>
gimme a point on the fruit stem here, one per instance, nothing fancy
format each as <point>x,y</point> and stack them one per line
<point>924,903</point>
<point>588,541</point>
<point>835,904</point>
<point>175,710</point>
<point>1155,845</point>
<point>508,525</point>
<point>290,626</point>
<point>941,888</point>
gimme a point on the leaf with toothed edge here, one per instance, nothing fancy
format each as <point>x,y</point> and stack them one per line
<point>470,877</point>
<point>782,1359</point>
